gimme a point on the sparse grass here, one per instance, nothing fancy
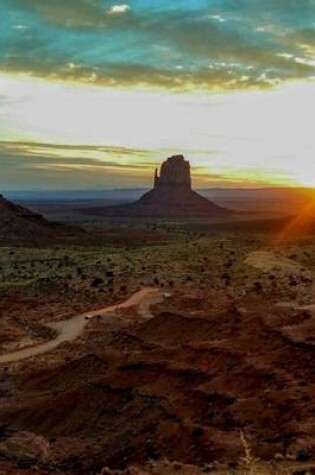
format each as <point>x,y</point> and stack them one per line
<point>193,257</point>
<point>249,464</point>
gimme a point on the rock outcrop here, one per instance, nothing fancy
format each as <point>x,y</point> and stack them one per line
<point>171,196</point>
<point>25,448</point>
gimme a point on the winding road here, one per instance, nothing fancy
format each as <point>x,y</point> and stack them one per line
<point>69,330</point>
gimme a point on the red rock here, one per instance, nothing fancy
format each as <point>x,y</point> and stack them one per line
<point>25,447</point>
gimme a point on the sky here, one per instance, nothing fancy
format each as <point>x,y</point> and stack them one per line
<point>96,93</point>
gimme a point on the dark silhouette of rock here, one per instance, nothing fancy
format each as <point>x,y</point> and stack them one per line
<point>171,196</point>
<point>21,225</point>
<point>175,172</point>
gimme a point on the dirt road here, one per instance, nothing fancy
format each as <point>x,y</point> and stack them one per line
<point>69,330</point>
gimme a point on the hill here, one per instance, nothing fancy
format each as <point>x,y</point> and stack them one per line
<point>20,225</point>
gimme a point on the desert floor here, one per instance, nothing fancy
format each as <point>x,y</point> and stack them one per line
<point>216,349</point>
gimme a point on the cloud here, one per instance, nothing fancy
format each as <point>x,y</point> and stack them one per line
<point>74,14</point>
<point>67,13</point>
<point>25,164</point>
<point>28,165</point>
<point>76,152</point>
<point>119,9</point>
<point>217,45</point>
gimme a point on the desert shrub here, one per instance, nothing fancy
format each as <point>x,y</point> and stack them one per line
<point>303,455</point>
<point>96,282</point>
<point>177,466</point>
<point>249,462</point>
<point>257,286</point>
<point>198,431</point>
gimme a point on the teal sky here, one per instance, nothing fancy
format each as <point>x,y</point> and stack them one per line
<point>196,58</point>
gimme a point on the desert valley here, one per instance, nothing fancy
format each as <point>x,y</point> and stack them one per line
<point>173,344</point>
<point>157,237</point>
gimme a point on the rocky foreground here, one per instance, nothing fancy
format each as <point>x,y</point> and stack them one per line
<point>179,386</point>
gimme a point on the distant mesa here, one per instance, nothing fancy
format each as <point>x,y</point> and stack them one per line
<point>171,196</point>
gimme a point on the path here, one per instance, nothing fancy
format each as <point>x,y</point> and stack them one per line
<point>71,329</point>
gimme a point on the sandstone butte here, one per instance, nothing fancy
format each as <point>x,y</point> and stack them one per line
<point>171,196</point>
